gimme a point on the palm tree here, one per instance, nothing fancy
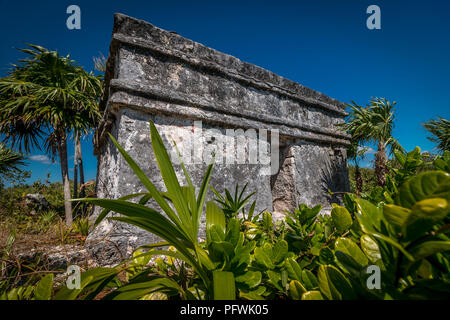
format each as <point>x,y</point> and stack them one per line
<point>440,129</point>
<point>10,163</point>
<point>374,123</point>
<point>356,153</point>
<point>49,97</point>
<point>78,169</point>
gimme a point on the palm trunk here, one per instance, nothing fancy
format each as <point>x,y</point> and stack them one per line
<point>62,149</point>
<point>75,170</point>
<point>381,168</point>
<point>358,179</point>
<point>80,167</point>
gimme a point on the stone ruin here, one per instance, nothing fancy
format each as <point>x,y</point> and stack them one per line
<point>199,98</point>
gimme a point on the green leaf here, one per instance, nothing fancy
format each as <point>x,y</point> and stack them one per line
<point>233,231</point>
<point>171,181</point>
<point>44,287</point>
<point>350,248</point>
<point>215,216</point>
<point>427,184</point>
<point>309,280</point>
<point>429,248</point>
<point>312,295</point>
<point>137,290</point>
<point>370,248</point>
<point>274,278</point>
<point>369,216</point>
<point>250,279</point>
<point>395,215</point>
<point>224,286</point>
<point>104,212</point>
<point>392,242</point>
<point>293,269</point>
<point>296,290</point>
<point>263,256</point>
<point>92,281</point>
<point>150,219</point>
<point>279,251</point>
<point>224,247</point>
<point>424,215</point>
<point>326,256</point>
<point>342,219</point>
<point>333,284</point>
<point>348,264</point>
<point>148,184</point>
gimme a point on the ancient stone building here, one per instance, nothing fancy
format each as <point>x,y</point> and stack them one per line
<point>281,135</point>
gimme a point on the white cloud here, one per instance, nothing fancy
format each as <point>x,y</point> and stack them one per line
<point>369,149</point>
<point>41,158</point>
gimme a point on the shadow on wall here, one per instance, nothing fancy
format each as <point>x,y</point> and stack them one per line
<point>332,178</point>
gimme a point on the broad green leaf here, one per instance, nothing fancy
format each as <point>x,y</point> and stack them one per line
<point>224,285</point>
<point>391,241</point>
<point>155,222</point>
<point>333,284</point>
<point>223,247</point>
<point>215,216</point>
<point>312,295</point>
<point>279,251</point>
<point>205,259</point>
<point>370,248</point>
<point>342,219</point>
<point>424,185</point>
<point>395,215</point>
<point>104,212</point>
<point>215,233</point>
<point>251,279</point>
<point>44,287</point>
<point>242,254</point>
<point>424,215</point>
<point>309,280</point>
<point>326,256</point>
<point>350,248</point>
<point>293,269</point>
<point>254,294</point>
<point>429,248</point>
<point>66,294</point>
<point>148,184</point>
<point>400,156</point>
<point>233,231</point>
<point>263,257</point>
<point>348,264</point>
<point>275,278</point>
<point>135,291</point>
<point>171,182</point>
<point>369,216</point>
<point>296,290</point>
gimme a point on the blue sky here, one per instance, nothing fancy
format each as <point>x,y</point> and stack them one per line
<point>321,44</point>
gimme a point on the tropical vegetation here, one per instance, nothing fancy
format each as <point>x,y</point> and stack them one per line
<point>48,97</point>
<point>390,244</point>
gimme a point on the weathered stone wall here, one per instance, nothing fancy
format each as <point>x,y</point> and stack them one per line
<point>157,75</point>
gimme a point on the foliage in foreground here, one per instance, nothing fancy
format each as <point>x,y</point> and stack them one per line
<point>400,230</point>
